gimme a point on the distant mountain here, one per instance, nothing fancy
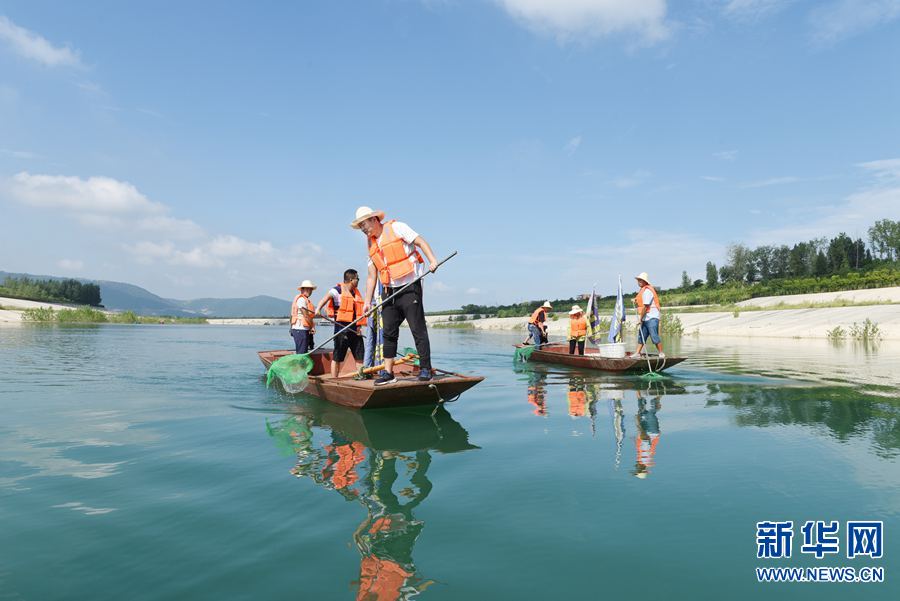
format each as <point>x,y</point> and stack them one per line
<point>119,296</point>
<point>258,306</point>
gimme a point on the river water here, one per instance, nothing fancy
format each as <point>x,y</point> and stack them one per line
<point>151,462</point>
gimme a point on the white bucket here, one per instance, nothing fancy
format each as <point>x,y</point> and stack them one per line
<point>615,350</point>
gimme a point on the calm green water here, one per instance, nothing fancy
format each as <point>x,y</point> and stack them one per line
<point>142,462</point>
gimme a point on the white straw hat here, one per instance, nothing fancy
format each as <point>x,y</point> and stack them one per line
<point>363,213</point>
<point>643,276</point>
<point>547,305</point>
<point>575,309</point>
<point>306,284</point>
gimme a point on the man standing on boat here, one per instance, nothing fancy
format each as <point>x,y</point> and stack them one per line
<point>394,259</point>
<point>648,310</point>
<point>344,304</point>
<point>537,324</point>
<point>302,313</point>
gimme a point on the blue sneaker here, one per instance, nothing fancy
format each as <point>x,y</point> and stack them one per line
<point>425,374</point>
<point>385,377</point>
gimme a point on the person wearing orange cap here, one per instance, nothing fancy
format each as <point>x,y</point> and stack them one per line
<point>394,259</point>
<point>302,313</point>
<point>648,313</point>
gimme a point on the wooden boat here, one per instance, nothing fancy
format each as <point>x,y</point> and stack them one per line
<point>559,353</point>
<point>363,394</point>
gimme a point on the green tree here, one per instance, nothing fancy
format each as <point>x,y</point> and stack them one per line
<point>821,265</point>
<point>712,274</point>
<point>685,280</point>
<point>739,260</point>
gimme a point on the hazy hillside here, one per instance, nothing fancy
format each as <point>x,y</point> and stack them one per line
<point>120,296</point>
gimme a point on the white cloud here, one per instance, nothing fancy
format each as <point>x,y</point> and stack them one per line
<point>70,264</point>
<point>888,169</point>
<point>573,144</point>
<point>33,47</point>
<point>726,155</point>
<point>640,252</point>
<point>712,178</point>
<point>569,19</point>
<point>773,181</point>
<point>97,195</point>
<point>837,20</point>
<point>633,180</point>
<point>754,9</point>
<point>473,291</point>
<point>19,154</point>
<point>97,202</point>
<point>439,286</point>
<point>853,215</point>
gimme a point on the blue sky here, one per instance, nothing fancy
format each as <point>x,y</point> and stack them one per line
<point>202,150</point>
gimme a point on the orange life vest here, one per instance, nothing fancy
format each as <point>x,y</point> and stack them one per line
<point>577,401</point>
<point>344,469</point>
<point>577,328</point>
<point>536,315</point>
<point>306,321</point>
<point>381,579</point>
<point>351,305</point>
<point>639,299</point>
<point>389,255</point>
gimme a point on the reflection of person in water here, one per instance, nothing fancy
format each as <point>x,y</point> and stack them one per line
<point>537,382</point>
<point>647,434</point>
<point>386,537</point>
<point>389,484</point>
<point>577,397</point>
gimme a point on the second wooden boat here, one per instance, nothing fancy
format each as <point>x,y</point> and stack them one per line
<point>630,364</point>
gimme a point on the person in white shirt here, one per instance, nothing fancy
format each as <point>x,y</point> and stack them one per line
<point>394,259</point>
<point>303,325</point>
<point>648,310</point>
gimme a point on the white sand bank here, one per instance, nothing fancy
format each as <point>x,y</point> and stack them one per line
<point>875,295</point>
<point>784,323</point>
<point>12,308</point>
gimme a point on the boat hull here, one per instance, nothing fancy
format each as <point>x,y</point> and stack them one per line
<point>559,353</point>
<point>363,394</point>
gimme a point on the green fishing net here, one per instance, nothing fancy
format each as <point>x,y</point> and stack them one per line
<point>292,371</point>
<point>410,351</point>
<point>523,354</point>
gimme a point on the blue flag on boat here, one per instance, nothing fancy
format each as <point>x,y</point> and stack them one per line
<point>618,316</point>
<point>593,319</point>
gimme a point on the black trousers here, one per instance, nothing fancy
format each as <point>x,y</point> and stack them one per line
<point>407,306</point>
<point>572,343</point>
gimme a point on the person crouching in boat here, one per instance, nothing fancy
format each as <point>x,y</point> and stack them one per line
<point>302,313</point>
<point>648,310</point>
<point>394,259</point>
<point>537,324</point>
<point>344,304</point>
<point>577,330</point>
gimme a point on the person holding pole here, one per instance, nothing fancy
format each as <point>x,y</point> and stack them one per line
<point>648,310</point>
<point>395,260</point>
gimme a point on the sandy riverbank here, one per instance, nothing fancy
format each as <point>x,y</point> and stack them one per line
<point>776,323</point>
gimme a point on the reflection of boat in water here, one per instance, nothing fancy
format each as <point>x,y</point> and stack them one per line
<point>381,459</point>
<point>559,353</point>
<point>363,394</point>
<point>583,395</point>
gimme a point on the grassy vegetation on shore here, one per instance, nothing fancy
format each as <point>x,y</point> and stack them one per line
<point>90,315</point>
